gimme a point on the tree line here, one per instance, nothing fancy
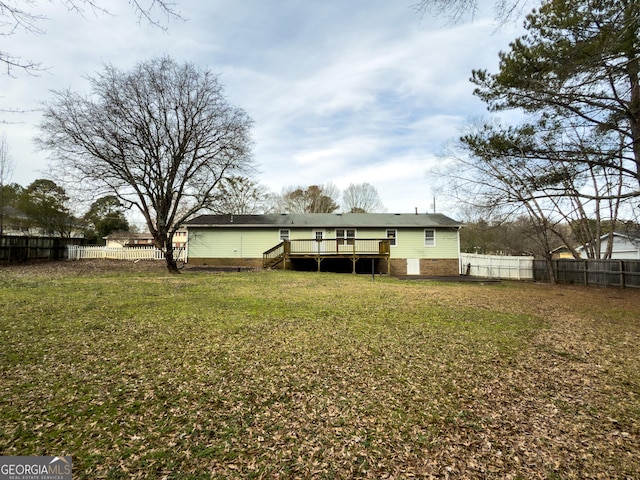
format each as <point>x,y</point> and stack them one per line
<point>520,236</point>
<point>242,195</point>
<point>43,207</point>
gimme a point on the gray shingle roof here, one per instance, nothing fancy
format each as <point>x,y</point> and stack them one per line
<point>326,220</point>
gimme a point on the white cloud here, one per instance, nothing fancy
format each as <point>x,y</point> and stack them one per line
<point>341,92</point>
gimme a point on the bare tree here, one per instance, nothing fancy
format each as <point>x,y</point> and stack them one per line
<point>160,137</point>
<point>457,10</point>
<point>361,198</point>
<point>241,196</point>
<point>313,199</point>
<point>6,171</point>
<point>23,16</point>
<point>553,191</point>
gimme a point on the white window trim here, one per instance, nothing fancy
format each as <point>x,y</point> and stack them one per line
<point>425,237</point>
<point>345,239</point>
<point>395,237</point>
<point>284,230</point>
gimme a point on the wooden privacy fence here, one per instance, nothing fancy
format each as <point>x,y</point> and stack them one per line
<point>76,252</point>
<point>495,266</point>
<point>14,248</point>
<point>606,273</point>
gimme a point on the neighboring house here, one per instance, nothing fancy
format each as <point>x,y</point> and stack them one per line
<point>180,238</point>
<point>129,240</point>
<point>15,223</point>
<point>625,247</point>
<point>399,244</point>
<point>561,253</point>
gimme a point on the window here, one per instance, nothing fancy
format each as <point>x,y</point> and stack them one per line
<point>392,235</point>
<point>429,237</point>
<point>345,236</point>
<point>284,235</point>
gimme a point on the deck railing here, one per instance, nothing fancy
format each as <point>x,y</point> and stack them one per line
<point>340,246</point>
<point>273,256</point>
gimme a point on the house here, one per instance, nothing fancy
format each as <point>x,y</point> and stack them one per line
<point>561,253</point>
<point>128,239</point>
<point>15,223</point>
<point>625,246</point>
<point>399,244</point>
<point>131,240</point>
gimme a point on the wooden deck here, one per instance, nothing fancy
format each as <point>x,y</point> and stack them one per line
<point>319,250</point>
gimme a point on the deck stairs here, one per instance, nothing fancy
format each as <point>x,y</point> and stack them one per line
<point>273,256</point>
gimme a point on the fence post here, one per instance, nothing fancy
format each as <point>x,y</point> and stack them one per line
<point>622,279</point>
<point>586,273</point>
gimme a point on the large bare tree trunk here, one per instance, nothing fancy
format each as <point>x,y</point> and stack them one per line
<point>172,265</point>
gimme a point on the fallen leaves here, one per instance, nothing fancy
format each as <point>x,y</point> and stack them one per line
<point>284,374</point>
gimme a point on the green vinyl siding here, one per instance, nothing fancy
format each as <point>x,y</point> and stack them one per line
<point>410,241</point>
<point>410,244</point>
<point>232,242</point>
<point>304,233</point>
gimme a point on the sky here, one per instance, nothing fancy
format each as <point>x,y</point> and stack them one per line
<point>340,91</point>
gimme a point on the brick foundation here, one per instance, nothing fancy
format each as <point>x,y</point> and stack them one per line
<point>227,262</point>
<point>442,267</point>
<point>398,267</point>
<point>436,267</point>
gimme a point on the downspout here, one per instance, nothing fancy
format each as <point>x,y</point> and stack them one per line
<point>459,256</point>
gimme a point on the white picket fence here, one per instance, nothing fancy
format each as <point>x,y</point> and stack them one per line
<point>494,266</point>
<point>77,252</point>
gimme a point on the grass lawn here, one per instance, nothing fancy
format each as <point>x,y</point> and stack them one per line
<point>138,374</point>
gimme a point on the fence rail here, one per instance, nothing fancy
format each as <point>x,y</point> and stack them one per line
<point>606,273</point>
<point>76,252</point>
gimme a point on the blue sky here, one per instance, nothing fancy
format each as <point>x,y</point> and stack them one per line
<point>340,91</point>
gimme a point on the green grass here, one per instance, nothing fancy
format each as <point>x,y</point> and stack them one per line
<point>267,374</point>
